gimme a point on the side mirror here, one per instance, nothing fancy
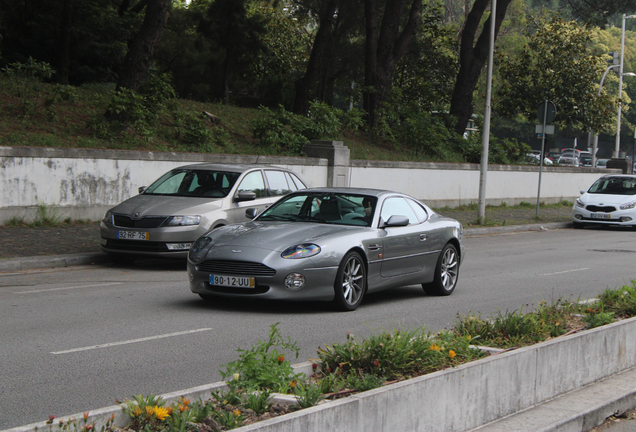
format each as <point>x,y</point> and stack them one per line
<point>581,192</point>
<point>142,189</point>
<point>245,196</point>
<point>395,221</point>
<point>251,213</point>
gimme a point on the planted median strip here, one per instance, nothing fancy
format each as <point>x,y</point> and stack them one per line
<point>262,383</point>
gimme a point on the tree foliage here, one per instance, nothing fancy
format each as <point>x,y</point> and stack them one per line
<point>558,65</point>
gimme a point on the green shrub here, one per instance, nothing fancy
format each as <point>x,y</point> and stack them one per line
<point>27,81</point>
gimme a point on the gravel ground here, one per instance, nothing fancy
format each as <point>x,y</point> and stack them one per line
<point>84,238</point>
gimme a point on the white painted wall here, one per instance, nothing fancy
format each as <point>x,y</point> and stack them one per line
<point>83,183</point>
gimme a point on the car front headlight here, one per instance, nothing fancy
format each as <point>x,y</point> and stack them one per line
<point>629,205</point>
<point>579,203</point>
<point>304,250</point>
<point>184,220</point>
<point>108,217</point>
<point>199,248</point>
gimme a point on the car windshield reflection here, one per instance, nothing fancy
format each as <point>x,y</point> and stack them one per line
<point>614,186</point>
<point>194,183</point>
<point>328,208</point>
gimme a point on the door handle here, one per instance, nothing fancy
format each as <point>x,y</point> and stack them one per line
<point>423,237</point>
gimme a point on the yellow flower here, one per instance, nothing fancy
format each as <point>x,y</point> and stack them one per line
<point>160,412</point>
<point>469,337</point>
<point>236,412</point>
<point>451,353</point>
<point>434,347</point>
<point>149,411</point>
<point>236,376</point>
<point>136,412</point>
<point>292,384</point>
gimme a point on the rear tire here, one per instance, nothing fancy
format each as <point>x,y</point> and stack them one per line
<point>351,282</point>
<point>446,273</point>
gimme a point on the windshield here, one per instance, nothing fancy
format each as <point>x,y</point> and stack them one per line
<point>194,183</point>
<point>328,207</point>
<point>614,186</point>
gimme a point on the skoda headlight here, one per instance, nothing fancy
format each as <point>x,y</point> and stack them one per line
<point>579,203</point>
<point>108,217</point>
<point>628,206</point>
<point>184,220</point>
<point>304,250</point>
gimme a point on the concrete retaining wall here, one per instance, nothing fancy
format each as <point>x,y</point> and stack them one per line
<point>84,183</point>
<point>458,399</point>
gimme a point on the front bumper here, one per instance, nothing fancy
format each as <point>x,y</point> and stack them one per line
<point>617,217</point>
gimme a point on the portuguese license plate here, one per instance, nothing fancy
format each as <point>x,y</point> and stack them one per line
<point>232,281</point>
<point>600,216</point>
<point>133,235</point>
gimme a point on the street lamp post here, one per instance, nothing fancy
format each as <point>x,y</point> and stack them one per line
<point>620,87</point>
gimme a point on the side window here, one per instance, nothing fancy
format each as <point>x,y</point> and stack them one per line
<point>420,212</point>
<point>253,182</point>
<point>296,181</point>
<point>277,182</point>
<point>397,206</point>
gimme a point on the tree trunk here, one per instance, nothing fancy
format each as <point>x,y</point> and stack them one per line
<point>64,59</point>
<point>141,49</point>
<point>321,44</point>
<point>384,50</point>
<point>472,59</point>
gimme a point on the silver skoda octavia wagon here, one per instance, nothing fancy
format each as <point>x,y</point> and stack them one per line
<point>185,203</point>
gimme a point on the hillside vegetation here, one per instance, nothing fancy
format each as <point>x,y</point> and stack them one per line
<point>37,114</point>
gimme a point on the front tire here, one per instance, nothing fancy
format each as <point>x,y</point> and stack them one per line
<point>351,282</point>
<point>446,273</point>
<point>578,225</point>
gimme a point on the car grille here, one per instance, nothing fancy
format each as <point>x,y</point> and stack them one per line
<point>238,268</point>
<point>603,209</point>
<point>136,245</point>
<point>124,221</point>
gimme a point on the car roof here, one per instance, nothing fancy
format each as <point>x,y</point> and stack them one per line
<point>353,190</point>
<point>239,168</point>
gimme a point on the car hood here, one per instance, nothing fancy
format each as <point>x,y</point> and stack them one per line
<point>278,235</point>
<point>606,199</point>
<point>162,205</point>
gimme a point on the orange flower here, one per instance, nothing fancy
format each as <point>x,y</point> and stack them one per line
<point>185,401</point>
<point>281,358</point>
<point>451,353</point>
<point>293,383</point>
<point>85,415</point>
<point>376,363</point>
<point>236,412</point>
<point>434,347</point>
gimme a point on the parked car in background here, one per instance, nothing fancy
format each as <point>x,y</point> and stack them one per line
<point>329,244</point>
<point>568,160</point>
<point>185,203</point>
<point>554,156</point>
<point>611,200</point>
<point>585,159</point>
<point>533,159</point>
<point>601,163</point>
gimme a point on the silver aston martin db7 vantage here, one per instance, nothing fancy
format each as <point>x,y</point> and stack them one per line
<point>329,244</point>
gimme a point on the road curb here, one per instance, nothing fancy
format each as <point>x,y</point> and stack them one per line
<point>52,261</point>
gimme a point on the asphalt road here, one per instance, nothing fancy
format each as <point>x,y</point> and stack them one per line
<point>78,339</point>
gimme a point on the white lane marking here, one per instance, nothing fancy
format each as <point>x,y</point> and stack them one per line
<point>564,271</point>
<point>67,288</point>
<point>149,338</point>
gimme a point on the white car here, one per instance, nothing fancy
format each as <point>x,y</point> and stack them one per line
<point>611,200</point>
